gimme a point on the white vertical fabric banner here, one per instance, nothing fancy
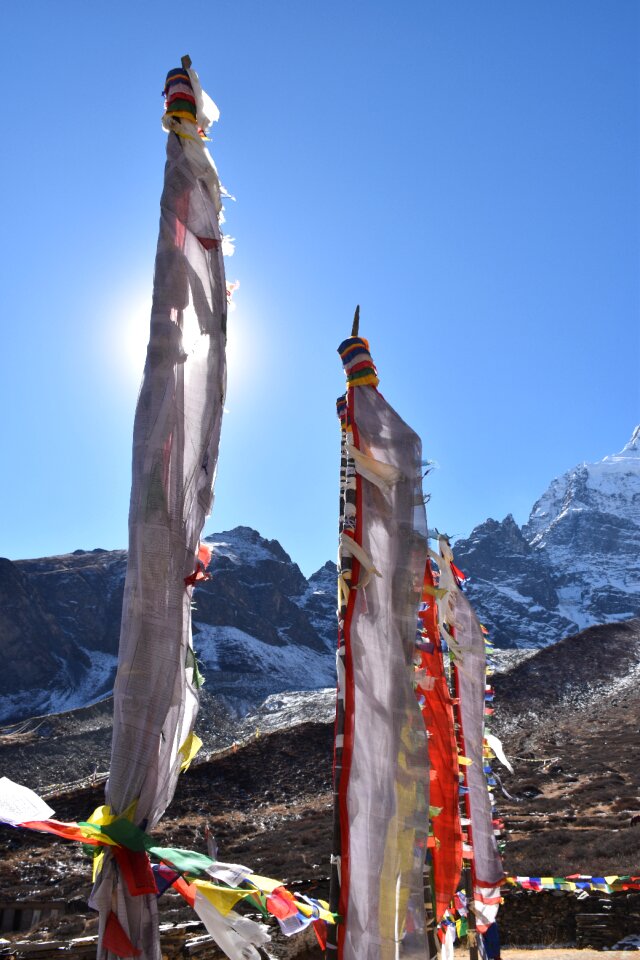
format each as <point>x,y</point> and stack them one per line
<point>385,767</point>
<point>175,448</point>
<point>471,666</point>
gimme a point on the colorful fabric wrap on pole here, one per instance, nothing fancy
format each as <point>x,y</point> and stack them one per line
<point>381,759</point>
<point>180,99</point>
<point>357,362</point>
<point>189,111</point>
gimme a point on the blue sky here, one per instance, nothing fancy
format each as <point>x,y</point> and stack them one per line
<point>467,172</point>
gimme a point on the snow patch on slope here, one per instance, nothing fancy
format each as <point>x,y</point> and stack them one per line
<point>245,670</point>
<point>96,683</point>
<point>319,602</point>
<point>284,710</point>
<point>68,693</point>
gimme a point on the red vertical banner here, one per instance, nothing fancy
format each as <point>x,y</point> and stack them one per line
<point>437,710</point>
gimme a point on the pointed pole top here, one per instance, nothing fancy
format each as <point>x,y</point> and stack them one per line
<point>356,322</point>
<point>186,61</point>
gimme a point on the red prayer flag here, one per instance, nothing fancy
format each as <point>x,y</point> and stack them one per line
<point>186,890</point>
<point>320,928</point>
<point>135,868</point>
<point>116,940</point>
<point>281,903</point>
<point>68,831</point>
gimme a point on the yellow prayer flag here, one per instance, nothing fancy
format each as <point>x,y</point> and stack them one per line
<point>189,749</point>
<point>437,592</point>
<point>98,860</point>
<point>223,898</point>
<point>264,884</point>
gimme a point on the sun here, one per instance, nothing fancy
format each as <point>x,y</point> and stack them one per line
<point>126,335</point>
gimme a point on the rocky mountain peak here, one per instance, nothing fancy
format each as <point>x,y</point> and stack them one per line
<point>246,545</point>
<point>576,562</point>
<point>610,486</point>
<point>326,577</point>
<point>506,530</point>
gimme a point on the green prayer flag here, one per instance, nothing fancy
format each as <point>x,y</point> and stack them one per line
<point>186,861</point>
<point>126,834</point>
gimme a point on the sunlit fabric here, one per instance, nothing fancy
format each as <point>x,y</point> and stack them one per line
<point>175,448</point>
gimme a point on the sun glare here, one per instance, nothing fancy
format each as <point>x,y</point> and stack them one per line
<point>135,337</point>
<point>127,330</point>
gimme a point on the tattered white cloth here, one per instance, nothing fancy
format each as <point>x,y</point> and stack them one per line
<point>175,449</point>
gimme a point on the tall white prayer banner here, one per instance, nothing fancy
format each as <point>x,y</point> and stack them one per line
<point>466,640</point>
<point>175,448</point>
<point>381,757</point>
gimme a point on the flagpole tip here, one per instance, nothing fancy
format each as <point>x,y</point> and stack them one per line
<point>356,322</point>
<point>186,61</point>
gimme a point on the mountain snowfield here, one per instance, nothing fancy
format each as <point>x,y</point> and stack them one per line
<point>575,563</point>
<point>261,628</point>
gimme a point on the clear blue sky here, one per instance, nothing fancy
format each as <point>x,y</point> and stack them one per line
<point>468,172</point>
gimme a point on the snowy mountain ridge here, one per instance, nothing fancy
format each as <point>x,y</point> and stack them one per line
<point>260,627</point>
<point>611,485</point>
<point>575,563</point>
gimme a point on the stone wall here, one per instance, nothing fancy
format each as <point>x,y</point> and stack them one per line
<point>554,918</point>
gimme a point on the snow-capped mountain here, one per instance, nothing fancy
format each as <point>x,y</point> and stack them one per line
<point>575,563</point>
<point>259,626</point>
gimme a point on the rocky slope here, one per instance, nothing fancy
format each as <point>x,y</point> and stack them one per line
<point>58,630</point>
<point>259,626</point>
<point>568,717</point>
<point>576,562</point>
